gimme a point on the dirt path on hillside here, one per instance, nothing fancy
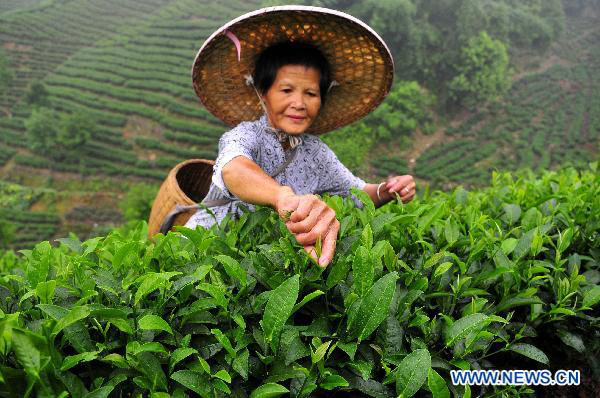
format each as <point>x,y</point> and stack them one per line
<point>421,143</point>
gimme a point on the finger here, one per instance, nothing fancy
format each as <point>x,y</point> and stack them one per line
<point>329,245</point>
<point>409,197</point>
<point>320,228</point>
<point>310,221</point>
<point>408,190</point>
<point>399,183</point>
<point>303,210</point>
<point>288,204</point>
<point>390,182</point>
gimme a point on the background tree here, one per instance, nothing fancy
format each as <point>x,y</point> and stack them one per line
<point>137,203</point>
<point>6,75</point>
<point>483,71</point>
<point>59,137</point>
<point>37,95</point>
<point>42,131</point>
<point>7,233</point>
<point>74,131</point>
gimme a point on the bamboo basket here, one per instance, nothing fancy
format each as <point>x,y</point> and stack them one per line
<point>186,184</point>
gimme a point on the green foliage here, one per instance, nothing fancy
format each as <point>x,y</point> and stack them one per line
<point>137,203</point>
<point>42,131</point>
<point>60,137</point>
<point>6,74</point>
<point>505,277</point>
<point>483,71</point>
<point>75,131</point>
<point>406,108</point>
<point>7,233</point>
<point>37,94</point>
<point>427,38</point>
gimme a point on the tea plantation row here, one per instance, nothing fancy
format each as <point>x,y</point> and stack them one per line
<point>503,278</point>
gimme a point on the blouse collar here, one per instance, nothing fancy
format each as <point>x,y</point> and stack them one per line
<point>281,135</point>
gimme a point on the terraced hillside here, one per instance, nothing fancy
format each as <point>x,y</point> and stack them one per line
<point>550,117</point>
<point>127,65</point>
<point>136,83</point>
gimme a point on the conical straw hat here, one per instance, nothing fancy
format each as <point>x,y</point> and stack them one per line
<point>361,63</point>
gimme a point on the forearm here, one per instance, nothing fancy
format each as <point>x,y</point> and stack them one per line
<point>371,190</point>
<point>246,180</point>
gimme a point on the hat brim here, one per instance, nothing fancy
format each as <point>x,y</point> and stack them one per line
<point>360,61</point>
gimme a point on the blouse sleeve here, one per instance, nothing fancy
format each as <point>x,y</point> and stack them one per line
<point>240,141</point>
<point>335,178</point>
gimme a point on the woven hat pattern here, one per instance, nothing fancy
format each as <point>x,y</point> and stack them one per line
<point>361,63</point>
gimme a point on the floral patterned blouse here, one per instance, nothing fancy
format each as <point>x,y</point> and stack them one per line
<point>314,170</point>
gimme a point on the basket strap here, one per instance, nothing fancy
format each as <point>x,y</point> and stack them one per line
<point>288,161</point>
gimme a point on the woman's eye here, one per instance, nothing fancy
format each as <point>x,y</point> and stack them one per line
<point>312,94</point>
<point>287,90</point>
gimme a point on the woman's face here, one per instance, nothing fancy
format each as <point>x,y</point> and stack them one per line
<point>294,99</point>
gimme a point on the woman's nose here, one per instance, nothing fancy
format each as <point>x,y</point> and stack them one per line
<point>298,101</point>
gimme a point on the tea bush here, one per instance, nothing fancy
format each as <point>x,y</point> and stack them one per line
<point>459,280</point>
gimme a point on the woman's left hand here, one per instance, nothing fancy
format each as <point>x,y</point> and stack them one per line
<point>404,185</point>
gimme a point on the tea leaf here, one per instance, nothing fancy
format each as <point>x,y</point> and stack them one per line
<point>348,348</point>
<point>530,351</point>
<point>362,271</point>
<point>217,292</point>
<point>233,268</point>
<point>105,390</point>
<point>224,341</point>
<point>591,297</point>
<point>437,385</point>
<point>306,299</point>
<point>433,214</point>
<point>26,352</point>
<point>153,322</point>
<point>179,355</point>
<point>73,360</point>
<point>512,213</point>
<point>218,384</point>
<point>223,375</point>
<point>367,237</point>
<point>516,302</point>
<point>433,260</point>
<point>117,360</point>
<point>73,244</point>
<point>198,383</point>
<point>443,267</point>
<point>74,315</point>
<point>412,373</point>
<point>152,281</point>
<point>572,340</point>
<point>564,239</point>
<point>320,352</point>
<point>279,307</point>
<point>269,390</point>
<point>332,381</point>
<point>465,325</point>
<point>508,245</point>
<point>338,272</point>
<point>451,231</point>
<point>240,364</point>
<point>375,306</point>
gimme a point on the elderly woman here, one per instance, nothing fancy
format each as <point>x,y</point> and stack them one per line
<point>304,84</point>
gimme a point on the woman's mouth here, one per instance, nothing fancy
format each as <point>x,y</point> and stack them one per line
<point>297,118</point>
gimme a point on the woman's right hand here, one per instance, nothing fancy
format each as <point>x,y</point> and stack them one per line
<point>308,217</point>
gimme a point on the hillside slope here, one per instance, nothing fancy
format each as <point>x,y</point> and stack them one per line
<point>127,64</point>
